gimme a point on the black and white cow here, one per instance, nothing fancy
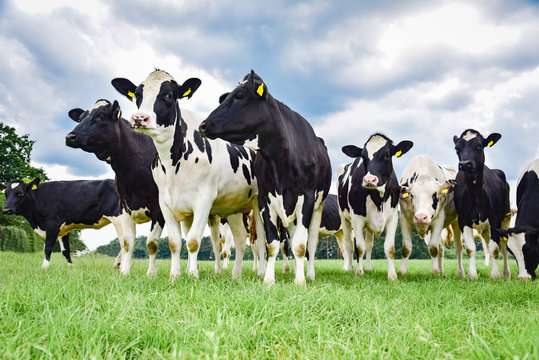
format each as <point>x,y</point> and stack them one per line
<point>197,179</point>
<point>426,204</point>
<point>523,238</point>
<point>481,199</point>
<point>55,208</point>
<point>368,196</point>
<point>111,138</point>
<point>292,166</point>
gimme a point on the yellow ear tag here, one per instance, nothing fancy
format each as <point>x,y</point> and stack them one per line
<point>34,187</point>
<point>3,191</point>
<point>187,92</point>
<point>504,238</point>
<point>260,90</point>
<point>444,191</point>
<point>130,95</point>
<point>405,195</point>
<point>398,153</point>
<point>119,114</point>
<point>490,143</point>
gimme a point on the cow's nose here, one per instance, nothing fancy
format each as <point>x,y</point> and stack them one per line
<point>370,180</point>
<point>421,218</point>
<point>71,138</point>
<point>465,164</point>
<point>203,127</point>
<point>140,119</point>
<point>7,211</point>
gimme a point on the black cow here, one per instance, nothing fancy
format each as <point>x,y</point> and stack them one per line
<point>55,208</point>
<point>368,196</point>
<point>111,138</point>
<point>481,198</point>
<point>523,238</point>
<point>292,166</point>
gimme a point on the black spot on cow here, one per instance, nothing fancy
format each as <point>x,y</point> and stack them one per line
<point>434,201</point>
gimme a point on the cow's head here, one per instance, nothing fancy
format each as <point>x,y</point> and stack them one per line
<point>18,195</point>
<point>526,237</point>
<point>376,157</point>
<point>470,150</point>
<point>426,196</point>
<point>97,130</point>
<point>156,98</point>
<point>241,114</point>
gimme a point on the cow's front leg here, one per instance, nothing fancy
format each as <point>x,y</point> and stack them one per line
<point>128,241</point>
<point>50,239</point>
<point>515,243</point>
<point>467,234</point>
<point>506,270</point>
<point>436,247</point>
<point>152,244</point>
<point>389,245</point>
<point>117,223</point>
<point>340,240</point>
<point>285,244</point>
<point>174,240</point>
<point>240,234</point>
<point>348,244</point>
<point>260,238</point>
<point>64,245</point>
<point>406,230</point>
<point>214,223</point>
<point>272,245</point>
<point>194,236</point>
<point>358,224</point>
<point>369,240</point>
<point>458,247</point>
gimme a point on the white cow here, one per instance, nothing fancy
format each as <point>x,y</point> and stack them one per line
<point>426,204</point>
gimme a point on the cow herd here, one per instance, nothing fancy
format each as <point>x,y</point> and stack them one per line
<point>256,166</point>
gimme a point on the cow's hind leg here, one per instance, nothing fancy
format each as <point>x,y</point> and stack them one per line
<point>389,246</point>
<point>312,241</point>
<point>240,234</point>
<point>369,242</point>
<point>213,223</point>
<point>152,244</point>
<point>64,245</point>
<point>50,239</point>
<point>406,230</point>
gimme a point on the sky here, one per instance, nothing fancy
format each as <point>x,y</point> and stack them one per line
<point>413,70</point>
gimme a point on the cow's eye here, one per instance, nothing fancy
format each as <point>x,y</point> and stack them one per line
<point>168,96</point>
<point>479,148</point>
<point>99,117</point>
<point>239,95</point>
<point>20,194</point>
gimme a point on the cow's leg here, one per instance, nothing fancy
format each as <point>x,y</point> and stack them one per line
<point>389,245</point>
<point>200,217</point>
<point>64,245</point>
<point>457,240</point>
<point>260,239</point>
<point>339,235</point>
<point>369,240</point>
<point>515,243</point>
<point>174,240</point>
<point>50,238</point>
<point>486,250</point>
<point>152,244</point>
<point>435,246</point>
<point>117,223</point>
<point>406,229</point>
<point>358,225</point>
<point>312,241</point>
<point>506,270</point>
<point>254,250</point>
<point>348,244</point>
<point>128,241</point>
<point>285,244</point>
<point>467,234</point>
<point>272,244</point>
<point>240,234</point>
<point>214,223</point>
<point>493,250</point>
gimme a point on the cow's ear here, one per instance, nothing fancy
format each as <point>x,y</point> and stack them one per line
<point>223,97</point>
<point>124,87</point>
<point>34,183</point>
<point>402,148</point>
<point>75,114</point>
<point>189,87</point>
<point>405,192</point>
<point>352,151</point>
<point>2,187</point>
<point>455,139</point>
<point>447,186</point>
<point>491,139</point>
<point>502,234</point>
<point>116,110</point>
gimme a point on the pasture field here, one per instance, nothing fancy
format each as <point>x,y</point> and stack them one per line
<point>92,312</point>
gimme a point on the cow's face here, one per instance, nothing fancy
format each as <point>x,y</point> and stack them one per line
<point>470,150</point>
<point>376,158</point>
<point>528,238</point>
<point>97,130</point>
<point>18,193</point>
<point>427,196</point>
<point>156,98</point>
<point>241,115</point>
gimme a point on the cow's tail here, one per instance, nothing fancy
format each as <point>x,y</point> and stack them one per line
<point>449,237</point>
<point>252,228</point>
<point>507,219</point>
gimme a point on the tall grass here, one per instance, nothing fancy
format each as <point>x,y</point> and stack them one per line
<point>91,311</point>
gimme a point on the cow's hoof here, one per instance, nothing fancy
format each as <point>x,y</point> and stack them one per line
<point>45,264</point>
<point>359,272</point>
<point>524,278</point>
<point>401,272</point>
<point>70,265</point>
<point>472,276</point>
<point>269,281</point>
<point>286,269</point>
<point>460,274</point>
<point>436,272</point>
<point>151,273</point>
<point>392,276</point>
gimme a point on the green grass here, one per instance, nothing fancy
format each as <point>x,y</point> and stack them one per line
<point>91,311</point>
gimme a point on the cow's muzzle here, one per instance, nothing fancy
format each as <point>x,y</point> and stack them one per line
<point>465,165</point>
<point>71,139</point>
<point>7,211</point>
<point>140,120</point>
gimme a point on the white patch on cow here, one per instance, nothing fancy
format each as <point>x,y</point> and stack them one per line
<point>515,242</point>
<point>376,220</point>
<point>139,216</point>
<point>252,144</point>
<point>469,136</point>
<point>374,144</point>
<point>99,104</point>
<point>40,232</point>
<point>14,185</point>
<point>45,264</point>
<point>62,248</point>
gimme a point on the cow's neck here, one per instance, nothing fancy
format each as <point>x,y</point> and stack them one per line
<point>169,142</point>
<point>123,150</point>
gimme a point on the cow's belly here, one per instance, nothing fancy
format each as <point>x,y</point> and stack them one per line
<point>376,220</point>
<point>66,228</point>
<point>140,216</point>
